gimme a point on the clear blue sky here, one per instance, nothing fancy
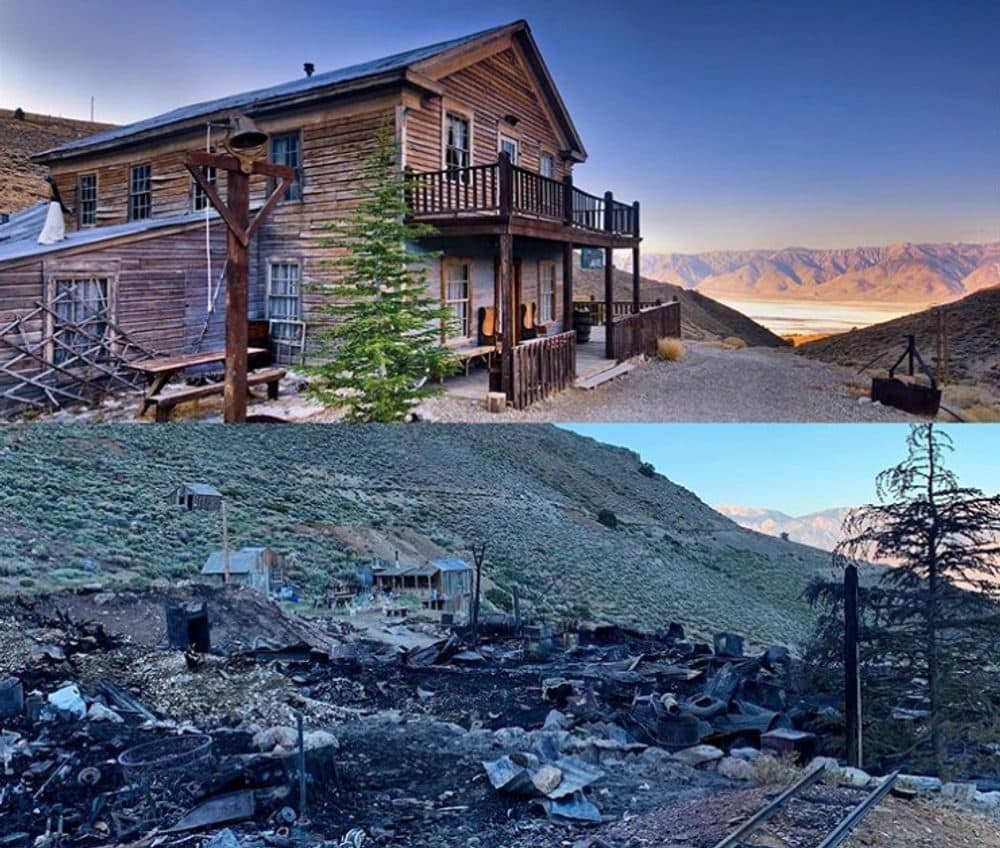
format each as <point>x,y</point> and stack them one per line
<point>794,468</point>
<point>737,124</point>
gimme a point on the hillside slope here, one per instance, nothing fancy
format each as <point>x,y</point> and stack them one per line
<point>701,317</point>
<point>22,182</point>
<point>898,273</point>
<point>79,503</point>
<point>973,340</point>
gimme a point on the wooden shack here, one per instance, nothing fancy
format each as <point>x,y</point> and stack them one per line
<point>253,567</point>
<point>444,584</point>
<point>197,496</point>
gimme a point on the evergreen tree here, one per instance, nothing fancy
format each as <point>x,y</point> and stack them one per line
<point>384,345</point>
<point>931,615</point>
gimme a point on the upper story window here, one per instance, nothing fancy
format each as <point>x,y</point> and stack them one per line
<point>199,200</point>
<point>511,148</point>
<point>140,193</point>
<point>287,150</point>
<point>86,200</point>
<point>457,142</point>
<point>547,166</point>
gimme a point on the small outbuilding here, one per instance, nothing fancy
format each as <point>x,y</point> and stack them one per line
<point>197,496</point>
<point>254,567</point>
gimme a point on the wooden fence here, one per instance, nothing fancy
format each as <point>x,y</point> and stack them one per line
<point>618,307</point>
<point>637,333</point>
<point>543,367</point>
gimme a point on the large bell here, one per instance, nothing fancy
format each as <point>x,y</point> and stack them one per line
<point>244,134</point>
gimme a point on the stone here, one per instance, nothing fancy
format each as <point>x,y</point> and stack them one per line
<point>223,839</point>
<point>699,756</point>
<point>988,800</point>
<point>829,763</point>
<point>735,768</point>
<point>99,712</point>
<point>850,776</point>
<point>959,792</point>
<point>546,779</point>
<point>748,754</point>
<point>920,782</point>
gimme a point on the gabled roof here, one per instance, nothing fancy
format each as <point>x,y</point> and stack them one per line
<point>243,561</point>
<point>451,564</point>
<point>354,78</point>
<point>200,489</point>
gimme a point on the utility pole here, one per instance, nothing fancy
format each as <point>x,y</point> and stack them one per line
<point>852,677</point>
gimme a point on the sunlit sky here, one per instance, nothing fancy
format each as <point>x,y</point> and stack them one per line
<point>736,124</point>
<point>794,468</point>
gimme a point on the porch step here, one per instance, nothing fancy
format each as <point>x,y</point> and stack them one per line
<point>592,381</point>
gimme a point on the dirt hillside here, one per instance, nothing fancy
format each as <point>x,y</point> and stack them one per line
<point>702,318</point>
<point>22,182</point>
<point>79,504</point>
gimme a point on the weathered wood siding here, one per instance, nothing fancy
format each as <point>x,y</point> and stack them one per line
<point>158,288</point>
<point>488,90</point>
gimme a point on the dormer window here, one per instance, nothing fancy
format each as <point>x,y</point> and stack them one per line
<point>140,193</point>
<point>287,150</point>
<point>86,200</point>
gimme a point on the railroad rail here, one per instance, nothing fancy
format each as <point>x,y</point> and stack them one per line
<point>834,837</point>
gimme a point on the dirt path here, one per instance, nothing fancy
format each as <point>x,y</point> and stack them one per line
<point>710,384</point>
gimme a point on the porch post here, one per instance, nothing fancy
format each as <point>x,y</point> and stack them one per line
<point>609,279</point>
<point>508,320</point>
<point>635,257</point>
<point>567,286</point>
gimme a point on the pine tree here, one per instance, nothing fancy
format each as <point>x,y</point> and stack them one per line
<point>383,348</point>
<point>933,611</point>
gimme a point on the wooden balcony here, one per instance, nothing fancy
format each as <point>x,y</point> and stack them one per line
<point>482,199</point>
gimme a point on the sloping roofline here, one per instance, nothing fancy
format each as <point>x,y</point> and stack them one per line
<point>354,79</point>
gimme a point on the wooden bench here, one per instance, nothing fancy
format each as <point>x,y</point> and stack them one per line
<point>165,402</point>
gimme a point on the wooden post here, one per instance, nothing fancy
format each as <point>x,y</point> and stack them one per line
<point>568,200</point>
<point>609,279</point>
<point>507,318</point>
<point>635,257</point>
<point>237,271</point>
<point>852,677</point>
<point>478,555</point>
<point>567,286</point>
<point>505,178</point>
<point>225,543</point>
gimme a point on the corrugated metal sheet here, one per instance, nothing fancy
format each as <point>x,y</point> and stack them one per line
<point>243,561</point>
<point>251,100</point>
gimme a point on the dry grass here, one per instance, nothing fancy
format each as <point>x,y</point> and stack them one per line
<point>972,403</point>
<point>733,342</point>
<point>771,771</point>
<point>670,350</point>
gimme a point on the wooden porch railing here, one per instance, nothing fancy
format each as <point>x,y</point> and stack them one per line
<point>543,367</point>
<point>619,307</point>
<point>637,333</point>
<point>502,188</point>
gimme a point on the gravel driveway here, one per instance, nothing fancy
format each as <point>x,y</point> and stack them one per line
<point>711,383</point>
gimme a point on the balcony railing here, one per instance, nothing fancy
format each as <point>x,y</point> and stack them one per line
<point>504,189</point>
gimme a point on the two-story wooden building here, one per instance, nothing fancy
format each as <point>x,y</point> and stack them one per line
<point>490,148</point>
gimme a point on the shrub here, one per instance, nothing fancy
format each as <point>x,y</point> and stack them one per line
<point>608,519</point>
<point>733,342</point>
<point>670,350</point>
<point>646,469</point>
<point>499,598</point>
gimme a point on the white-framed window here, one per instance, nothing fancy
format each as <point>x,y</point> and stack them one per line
<point>511,147</point>
<point>547,166</point>
<point>199,200</point>
<point>457,141</point>
<point>140,192</point>
<point>286,149</point>
<point>86,200</point>
<point>81,308</point>
<point>546,292</point>
<point>284,299</point>
<point>457,285</point>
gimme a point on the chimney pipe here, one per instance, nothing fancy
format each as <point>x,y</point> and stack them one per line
<point>309,68</point>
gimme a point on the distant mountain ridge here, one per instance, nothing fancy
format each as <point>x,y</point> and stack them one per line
<point>898,273</point>
<point>817,529</point>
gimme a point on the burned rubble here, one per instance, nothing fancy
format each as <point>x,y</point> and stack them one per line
<point>515,734</point>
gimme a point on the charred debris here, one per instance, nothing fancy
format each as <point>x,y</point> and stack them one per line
<point>512,733</point>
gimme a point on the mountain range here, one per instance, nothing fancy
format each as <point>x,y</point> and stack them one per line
<point>923,274</point>
<point>817,529</point>
<point>580,528</point>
